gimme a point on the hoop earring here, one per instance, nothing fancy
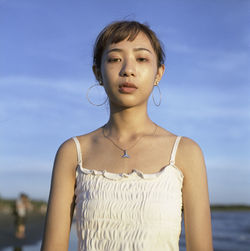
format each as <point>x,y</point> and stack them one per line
<point>159,90</point>
<point>87,95</point>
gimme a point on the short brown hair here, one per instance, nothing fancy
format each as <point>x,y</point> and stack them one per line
<point>118,31</point>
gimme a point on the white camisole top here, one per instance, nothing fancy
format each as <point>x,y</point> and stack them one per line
<point>128,212</point>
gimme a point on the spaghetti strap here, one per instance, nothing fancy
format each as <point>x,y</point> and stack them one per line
<point>172,159</point>
<point>78,148</point>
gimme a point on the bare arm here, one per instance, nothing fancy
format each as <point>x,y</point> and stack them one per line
<point>197,216</point>
<point>61,200</point>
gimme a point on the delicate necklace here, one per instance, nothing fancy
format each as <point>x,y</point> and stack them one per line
<point>125,151</point>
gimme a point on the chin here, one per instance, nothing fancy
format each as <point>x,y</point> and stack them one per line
<point>126,103</point>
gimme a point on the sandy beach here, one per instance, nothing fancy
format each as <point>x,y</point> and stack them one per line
<point>34,230</point>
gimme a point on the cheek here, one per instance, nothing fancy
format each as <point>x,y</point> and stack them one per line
<point>108,79</point>
<point>149,75</point>
<point>107,72</point>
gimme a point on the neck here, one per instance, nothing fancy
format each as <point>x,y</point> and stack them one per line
<point>128,123</point>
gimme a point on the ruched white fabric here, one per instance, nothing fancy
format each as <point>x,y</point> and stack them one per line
<point>128,212</point>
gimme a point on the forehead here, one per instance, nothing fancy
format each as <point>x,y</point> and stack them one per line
<point>140,41</point>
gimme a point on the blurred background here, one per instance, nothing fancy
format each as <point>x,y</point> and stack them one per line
<point>46,69</point>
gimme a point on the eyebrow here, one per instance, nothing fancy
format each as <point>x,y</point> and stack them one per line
<point>136,49</point>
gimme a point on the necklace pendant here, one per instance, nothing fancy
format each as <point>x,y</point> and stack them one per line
<point>125,154</point>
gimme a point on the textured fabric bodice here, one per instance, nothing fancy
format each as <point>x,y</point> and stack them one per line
<point>126,212</point>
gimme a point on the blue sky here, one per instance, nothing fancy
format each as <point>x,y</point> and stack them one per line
<point>45,71</point>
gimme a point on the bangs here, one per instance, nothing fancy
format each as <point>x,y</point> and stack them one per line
<point>120,33</point>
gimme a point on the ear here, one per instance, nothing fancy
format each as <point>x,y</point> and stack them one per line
<point>160,72</point>
<point>97,74</point>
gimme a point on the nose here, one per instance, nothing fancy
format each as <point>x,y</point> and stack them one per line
<point>128,68</point>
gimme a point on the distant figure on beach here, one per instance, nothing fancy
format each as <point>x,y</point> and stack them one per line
<point>22,205</point>
<point>130,179</point>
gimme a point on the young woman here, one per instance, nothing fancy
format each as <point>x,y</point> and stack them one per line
<point>130,179</point>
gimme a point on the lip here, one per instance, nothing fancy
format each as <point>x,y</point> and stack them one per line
<point>127,84</point>
<point>127,87</point>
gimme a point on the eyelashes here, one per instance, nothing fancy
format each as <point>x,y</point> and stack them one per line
<point>114,60</point>
<point>141,59</point>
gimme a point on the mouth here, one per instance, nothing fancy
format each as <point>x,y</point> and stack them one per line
<point>127,87</point>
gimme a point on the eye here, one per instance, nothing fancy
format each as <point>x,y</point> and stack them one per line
<point>113,60</point>
<point>142,59</point>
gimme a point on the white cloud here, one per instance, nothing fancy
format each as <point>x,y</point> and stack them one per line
<point>23,95</point>
<point>25,163</point>
<point>226,60</point>
<point>203,103</point>
<point>68,86</point>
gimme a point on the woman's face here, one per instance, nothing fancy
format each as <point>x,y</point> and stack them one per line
<point>129,71</point>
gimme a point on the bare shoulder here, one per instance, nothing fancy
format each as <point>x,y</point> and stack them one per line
<point>189,156</point>
<point>165,134</point>
<point>67,154</point>
<point>189,148</point>
<point>85,139</point>
<point>68,149</point>
<point>67,146</point>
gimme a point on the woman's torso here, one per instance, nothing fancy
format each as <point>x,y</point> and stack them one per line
<point>132,205</point>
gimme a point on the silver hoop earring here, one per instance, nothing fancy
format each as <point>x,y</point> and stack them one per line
<point>159,90</point>
<point>87,95</point>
